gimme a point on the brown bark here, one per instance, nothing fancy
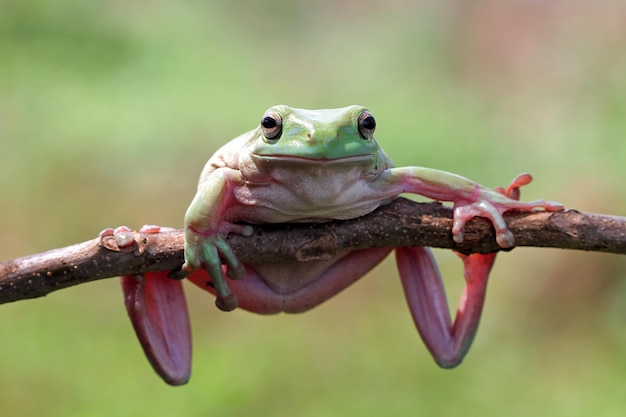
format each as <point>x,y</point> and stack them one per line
<point>401,223</point>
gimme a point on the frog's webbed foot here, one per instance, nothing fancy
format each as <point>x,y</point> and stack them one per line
<point>158,312</point>
<point>493,206</point>
<point>157,309</point>
<point>207,250</point>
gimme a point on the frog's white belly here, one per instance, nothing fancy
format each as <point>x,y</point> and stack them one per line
<point>326,195</point>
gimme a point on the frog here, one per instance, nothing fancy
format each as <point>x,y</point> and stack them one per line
<point>312,166</point>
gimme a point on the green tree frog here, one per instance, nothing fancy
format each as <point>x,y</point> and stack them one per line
<point>313,166</point>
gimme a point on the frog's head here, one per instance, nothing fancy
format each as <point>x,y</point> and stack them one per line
<point>344,135</point>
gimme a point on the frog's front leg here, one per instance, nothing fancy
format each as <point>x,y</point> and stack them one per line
<point>470,199</point>
<point>206,230</point>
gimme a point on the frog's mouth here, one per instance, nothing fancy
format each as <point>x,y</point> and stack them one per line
<point>298,159</point>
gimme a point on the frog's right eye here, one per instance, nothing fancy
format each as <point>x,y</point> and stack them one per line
<point>367,124</point>
<point>272,125</point>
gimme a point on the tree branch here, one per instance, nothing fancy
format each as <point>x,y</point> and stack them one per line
<point>401,223</point>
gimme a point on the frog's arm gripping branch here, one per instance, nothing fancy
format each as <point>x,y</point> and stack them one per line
<point>399,224</point>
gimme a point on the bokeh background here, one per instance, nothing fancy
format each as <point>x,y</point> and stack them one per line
<point>109,109</point>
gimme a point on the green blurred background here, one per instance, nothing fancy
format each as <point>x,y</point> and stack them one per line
<point>108,110</point>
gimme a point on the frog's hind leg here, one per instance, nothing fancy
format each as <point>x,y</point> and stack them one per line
<point>448,342</point>
<point>158,311</point>
<point>295,286</point>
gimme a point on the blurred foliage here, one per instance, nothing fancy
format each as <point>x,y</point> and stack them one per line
<point>108,110</point>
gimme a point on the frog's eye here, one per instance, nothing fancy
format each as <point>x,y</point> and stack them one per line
<point>367,124</point>
<point>272,125</point>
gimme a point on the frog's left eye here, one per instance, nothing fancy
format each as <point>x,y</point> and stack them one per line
<point>367,124</point>
<point>272,125</point>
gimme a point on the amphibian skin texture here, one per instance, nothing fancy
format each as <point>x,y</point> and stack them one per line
<point>313,166</point>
